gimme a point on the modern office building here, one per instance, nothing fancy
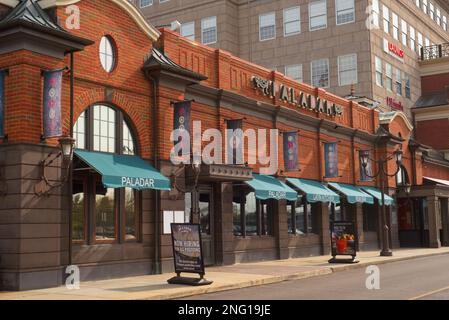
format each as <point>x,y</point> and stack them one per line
<point>371,44</point>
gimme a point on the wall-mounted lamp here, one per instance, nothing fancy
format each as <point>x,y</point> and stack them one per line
<point>66,146</point>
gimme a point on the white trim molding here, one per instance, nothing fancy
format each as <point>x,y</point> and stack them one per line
<point>388,117</point>
<point>135,14</point>
<point>431,113</point>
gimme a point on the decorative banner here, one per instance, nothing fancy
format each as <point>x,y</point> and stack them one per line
<point>2,103</point>
<point>331,160</point>
<point>365,173</point>
<point>235,141</point>
<point>343,238</point>
<point>291,162</point>
<point>181,122</point>
<point>52,103</point>
<point>187,250</point>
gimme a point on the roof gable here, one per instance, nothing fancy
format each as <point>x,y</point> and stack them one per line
<point>135,14</point>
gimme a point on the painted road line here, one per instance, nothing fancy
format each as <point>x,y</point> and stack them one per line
<point>429,293</point>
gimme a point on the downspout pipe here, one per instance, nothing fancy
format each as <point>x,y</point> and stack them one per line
<point>71,120</point>
<point>353,151</point>
<point>157,268</point>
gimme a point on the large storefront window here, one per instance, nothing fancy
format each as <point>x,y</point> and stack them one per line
<point>204,206</point>
<point>114,212</point>
<point>302,218</point>
<point>131,221</point>
<point>252,217</point>
<point>237,217</point>
<point>370,214</point>
<point>296,218</point>
<point>336,212</point>
<point>251,214</point>
<point>78,211</point>
<point>105,229</point>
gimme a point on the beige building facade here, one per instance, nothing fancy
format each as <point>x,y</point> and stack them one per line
<point>367,48</point>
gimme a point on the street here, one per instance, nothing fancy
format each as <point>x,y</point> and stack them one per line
<point>422,278</point>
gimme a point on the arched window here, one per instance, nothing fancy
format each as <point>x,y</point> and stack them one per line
<point>402,177</point>
<point>109,131</point>
<point>102,214</point>
<point>107,53</point>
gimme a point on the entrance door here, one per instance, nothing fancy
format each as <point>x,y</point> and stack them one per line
<point>206,207</point>
<point>411,219</point>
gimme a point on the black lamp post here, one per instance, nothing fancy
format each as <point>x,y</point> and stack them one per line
<point>382,173</point>
<point>195,169</point>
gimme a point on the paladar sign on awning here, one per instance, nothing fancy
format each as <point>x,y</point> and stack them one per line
<point>376,193</point>
<point>352,193</point>
<point>268,187</point>
<point>123,171</point>
<point>314,190</point>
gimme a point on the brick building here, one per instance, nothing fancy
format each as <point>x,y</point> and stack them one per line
<point>125,77</point>
<point>325,43</point>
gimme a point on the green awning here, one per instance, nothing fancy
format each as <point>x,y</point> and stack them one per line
<point>123,171</point>
<point>353,194</point>
<point>314,190</point>
<point>268,187</point>
<point>376,193</point>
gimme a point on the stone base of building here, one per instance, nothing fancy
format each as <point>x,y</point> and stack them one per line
<point>31,280</point>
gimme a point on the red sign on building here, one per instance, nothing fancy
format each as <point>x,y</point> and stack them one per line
<point>396,50</point>
<point>393,50</point>
<point>395,104</point>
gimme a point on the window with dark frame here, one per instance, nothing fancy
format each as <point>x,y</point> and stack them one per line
<point>303,218</point>
<point>336,212</point>
<point>369,217</point>
<point>252,217</point>
<point>103,215</point>
<point>79,204</point>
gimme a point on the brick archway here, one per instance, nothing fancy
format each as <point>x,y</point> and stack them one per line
<point>134,119</point>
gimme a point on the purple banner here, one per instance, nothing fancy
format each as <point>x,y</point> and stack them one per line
<point>235,141</point>
<point>331,160</point>
<point>181,122</point>
<point>52,103</point>
<point>2,103</point>
<point>291,151</point>
<point>365,173</point>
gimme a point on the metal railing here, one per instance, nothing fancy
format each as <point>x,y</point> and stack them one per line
<point>434,52</point>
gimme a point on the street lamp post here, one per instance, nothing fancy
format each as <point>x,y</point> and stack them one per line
<point>195,168</point>
<point>383,175</point>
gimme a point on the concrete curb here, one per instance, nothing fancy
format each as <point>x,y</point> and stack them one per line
<point>289,277</point>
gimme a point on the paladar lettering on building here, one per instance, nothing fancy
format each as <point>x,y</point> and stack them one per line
<point>137,182</point>
<point>299,99</point>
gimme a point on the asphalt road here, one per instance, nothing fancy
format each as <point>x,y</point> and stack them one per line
<point>423,278</point>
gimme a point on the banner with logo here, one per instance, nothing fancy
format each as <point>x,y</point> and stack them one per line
<point>187,250</point>
<point>331,159</point>
<point>2,103</point>
<point>181,122</point>
<point>291,162</point>
<point>235,141</point>
<point>365,173</point>
<point>52,103</point>
<point>343,238</point>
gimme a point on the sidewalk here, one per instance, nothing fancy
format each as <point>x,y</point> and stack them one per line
<point>155,287</point>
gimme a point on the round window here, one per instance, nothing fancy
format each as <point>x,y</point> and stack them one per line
<point>107,54</point>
